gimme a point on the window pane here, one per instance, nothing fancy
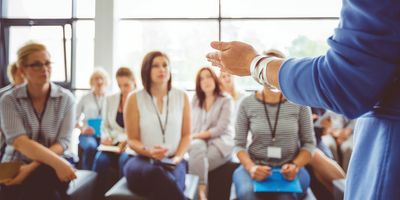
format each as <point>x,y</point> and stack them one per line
<point>85,8</point>
<point>281,8</point>
<point>292,37</point>
<point>84,53</point>
<point>186,43</point>
<point>51,36</point>
<point>170,8</point>
<point>38,8</point>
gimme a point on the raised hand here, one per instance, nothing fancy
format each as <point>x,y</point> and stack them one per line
<point>233,57</point>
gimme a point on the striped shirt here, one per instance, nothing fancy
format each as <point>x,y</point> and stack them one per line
<point>294,130</point>
<point>2,139</point>
<point>18,118</point>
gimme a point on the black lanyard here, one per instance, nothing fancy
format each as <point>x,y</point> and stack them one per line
<point>97,104</point>
<point>39,118</point>
<point>162,127</point>
<point>273,130</point>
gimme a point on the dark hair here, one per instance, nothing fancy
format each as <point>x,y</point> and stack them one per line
<point>199,92</point>
<point>147,64</point>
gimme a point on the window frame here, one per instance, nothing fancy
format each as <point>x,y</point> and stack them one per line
<point>220,20</point>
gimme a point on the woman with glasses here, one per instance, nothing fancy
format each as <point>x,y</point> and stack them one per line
<point>158,127</point>
<point>91,107</point>
<point>37,120</point>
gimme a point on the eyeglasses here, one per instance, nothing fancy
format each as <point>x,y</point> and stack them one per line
<point>38,65</point>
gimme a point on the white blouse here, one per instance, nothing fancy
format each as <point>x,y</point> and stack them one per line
<point>150,128</point>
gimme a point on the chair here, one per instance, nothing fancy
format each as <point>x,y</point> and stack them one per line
<point>83,186</point>
<point>120,190</point>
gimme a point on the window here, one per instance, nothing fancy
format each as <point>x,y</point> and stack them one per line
<point>184,30</point>
<point>51,36</point>
<point>67,29</point>
<point>38,9</point>
<point>179,39</point>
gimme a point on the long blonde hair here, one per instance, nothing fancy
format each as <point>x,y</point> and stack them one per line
<point>235,93</point>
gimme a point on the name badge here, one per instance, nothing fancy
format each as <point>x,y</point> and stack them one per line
<point>274,152</point>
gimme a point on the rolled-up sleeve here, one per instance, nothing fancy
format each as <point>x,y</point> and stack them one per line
<point>241,129</point>
<point>361,63</point>
<point>306,134</point>
<point>224,120</point>
<point>11,121</point>
<point>67,123</point>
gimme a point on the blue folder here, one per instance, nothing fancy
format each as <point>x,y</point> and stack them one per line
<point>277,183</point>
<point>95,123</point>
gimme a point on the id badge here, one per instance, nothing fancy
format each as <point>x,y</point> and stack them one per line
<point>274,152</point>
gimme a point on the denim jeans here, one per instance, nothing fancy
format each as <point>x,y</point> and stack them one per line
<point>244,187</point>
<point>144,177</point>
<point>108,166</point>
<point>88,144</point>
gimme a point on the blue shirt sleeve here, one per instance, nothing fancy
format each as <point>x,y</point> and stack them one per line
<point>362,61</point>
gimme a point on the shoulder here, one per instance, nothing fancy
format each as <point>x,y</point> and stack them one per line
<point>249,99</point>
<point>177,92</point>
<point>113,97</point>
<point>225,98</point>
<point>6,89</point>
<point>58,91</point>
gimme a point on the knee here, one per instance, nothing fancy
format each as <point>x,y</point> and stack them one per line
<point>102,161</point>
<point>244,192</point>
<point>89,144</point>
<point>197,147</point>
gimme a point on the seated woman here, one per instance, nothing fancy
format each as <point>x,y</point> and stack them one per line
<point>158,127</point>
<point>91,106</point>
<point>282,136</point>
<point>113,133</point>
<point>228,85</point>
<point>322,168</point>
<point>37,120</point>
<point>212,128</point>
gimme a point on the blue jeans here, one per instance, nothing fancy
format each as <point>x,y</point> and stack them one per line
<point>144,177</point>
<point>244,187</point>
<point>88,144</point>
<point>108,166</point>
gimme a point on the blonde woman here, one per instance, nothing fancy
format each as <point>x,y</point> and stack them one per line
<point>37,120</point>
<point>91,107</point>
<point>228,85</point>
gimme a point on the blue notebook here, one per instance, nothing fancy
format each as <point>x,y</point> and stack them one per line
<point>95,123</point>
<point>277,183</point>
